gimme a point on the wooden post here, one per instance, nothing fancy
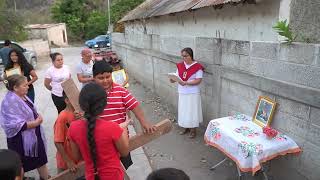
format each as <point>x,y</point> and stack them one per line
<point>163,127</point>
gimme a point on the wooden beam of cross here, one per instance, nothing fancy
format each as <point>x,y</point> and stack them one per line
<point>163,127</point>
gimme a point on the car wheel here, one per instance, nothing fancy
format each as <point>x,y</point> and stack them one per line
<point>34,62</point>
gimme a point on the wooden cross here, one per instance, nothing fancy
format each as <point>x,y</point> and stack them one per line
<point>72,92</point>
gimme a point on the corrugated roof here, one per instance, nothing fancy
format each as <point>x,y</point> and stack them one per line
<point>206,3</point>
<point>151,8</point>
<point>41,26</point>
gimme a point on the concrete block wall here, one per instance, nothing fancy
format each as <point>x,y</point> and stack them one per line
<point>236,74</point>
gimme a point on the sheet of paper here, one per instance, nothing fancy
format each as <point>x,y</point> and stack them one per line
<point>174,77</point>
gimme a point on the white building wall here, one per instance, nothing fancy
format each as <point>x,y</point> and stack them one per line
<point>55,35</point>
<point>241,22</point>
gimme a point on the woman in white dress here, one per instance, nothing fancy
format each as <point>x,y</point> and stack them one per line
<point>190,75</point>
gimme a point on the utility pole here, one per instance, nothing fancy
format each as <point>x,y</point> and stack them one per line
<point>15,5</point>
<point>109,14</point>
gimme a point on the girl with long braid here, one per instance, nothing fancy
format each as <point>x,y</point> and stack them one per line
<point>100,143</point>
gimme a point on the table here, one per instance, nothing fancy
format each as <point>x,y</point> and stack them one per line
<point>243,141</point>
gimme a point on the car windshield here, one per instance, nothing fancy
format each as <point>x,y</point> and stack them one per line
<point>100,38</point>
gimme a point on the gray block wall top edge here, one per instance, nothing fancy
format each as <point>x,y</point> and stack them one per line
<point>310,96</point>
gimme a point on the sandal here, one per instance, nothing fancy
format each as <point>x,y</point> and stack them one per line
<point>184,132</point>
<point>192,134</point>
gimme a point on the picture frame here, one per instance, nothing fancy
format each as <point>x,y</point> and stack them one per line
<point>13,71</point>
<point>264,111</point>
<point>119,77</point>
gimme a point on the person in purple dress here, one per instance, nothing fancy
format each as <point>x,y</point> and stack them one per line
<point>22,126</point>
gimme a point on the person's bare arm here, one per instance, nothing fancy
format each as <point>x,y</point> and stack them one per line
<point>71,165</point>
<point>122,144</point>
<point>147,126</point>
<point>83,79</point>
<point>34,77</point>
<point>75,151</point>
<point>47,83</point>
<point>35,123</point>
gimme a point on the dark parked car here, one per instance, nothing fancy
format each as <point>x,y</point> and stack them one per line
<point>31,56</point>
<point>101,41</point>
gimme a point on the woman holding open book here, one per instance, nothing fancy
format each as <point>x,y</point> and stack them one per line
<point>189,75</point>
<point>17,64</point>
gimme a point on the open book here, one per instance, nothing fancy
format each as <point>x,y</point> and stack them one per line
<point>174,77</point>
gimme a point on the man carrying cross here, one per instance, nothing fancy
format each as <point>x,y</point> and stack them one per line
<point>119,100</point>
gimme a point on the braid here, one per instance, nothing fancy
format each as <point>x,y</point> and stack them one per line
<point>92,101</point>
<point>92,143</point>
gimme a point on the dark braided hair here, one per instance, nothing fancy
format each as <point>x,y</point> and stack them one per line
<point>92,100</point>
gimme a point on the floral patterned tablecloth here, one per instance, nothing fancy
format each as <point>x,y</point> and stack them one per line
<point>244,142</point>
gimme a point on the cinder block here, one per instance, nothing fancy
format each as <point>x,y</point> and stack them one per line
<point>243,90</point>
<point>299,53</point>
<point>209,44</point>
<point>265,50</point>
<point>313,135</point>
<point>118,37</point>
<point>294,108</point>
<point>274,86</point>
<point>310,161</point>
<point>298,126</point>
<point>280,121</point>
<point>235,61</point>
<point>169,45</point>
<point>236,47</point>
<point>287,72</point>
<point>155,42</point>
<point>315,116</point>
<point>187,41</point>
<point>240,103</point>
<point>206,56</point>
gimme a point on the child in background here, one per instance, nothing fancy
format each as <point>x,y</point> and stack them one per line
<point>61,126</point>
<point>117,66</point>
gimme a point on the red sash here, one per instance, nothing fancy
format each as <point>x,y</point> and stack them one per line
<point>185,73</point>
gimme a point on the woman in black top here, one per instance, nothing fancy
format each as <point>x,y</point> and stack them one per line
<point>17,60</point>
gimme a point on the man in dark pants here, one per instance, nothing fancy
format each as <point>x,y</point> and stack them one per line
<point>119,100</point>
<point>4,52</point>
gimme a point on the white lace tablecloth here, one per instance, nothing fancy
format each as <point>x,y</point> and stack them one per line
<point>244,142</point>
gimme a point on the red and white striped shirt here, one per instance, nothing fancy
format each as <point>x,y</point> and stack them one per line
<point>119,100</point>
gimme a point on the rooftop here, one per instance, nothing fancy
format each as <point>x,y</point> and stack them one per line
<point>153,8</point>
<point>42,26</point>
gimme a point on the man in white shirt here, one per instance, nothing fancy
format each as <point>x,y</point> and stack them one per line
<point>84,68</point>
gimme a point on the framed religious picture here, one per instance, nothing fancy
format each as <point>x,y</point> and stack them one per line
<point>119,77</point>
<point>13,71</point>
<point>264,111</point>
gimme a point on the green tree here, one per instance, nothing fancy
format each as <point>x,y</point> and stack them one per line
<point>11,24</point>
<point>83,17</point>
<point>96,24</point>
<point>120,8</point>
<point>73,13</point>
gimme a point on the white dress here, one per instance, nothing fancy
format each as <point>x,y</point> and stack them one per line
<point>189,106</point>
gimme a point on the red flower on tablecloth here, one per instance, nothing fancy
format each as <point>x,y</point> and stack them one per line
<point>247,132</point>
<point>269,132</point>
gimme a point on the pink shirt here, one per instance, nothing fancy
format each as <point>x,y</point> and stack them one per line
<point>57,76</point>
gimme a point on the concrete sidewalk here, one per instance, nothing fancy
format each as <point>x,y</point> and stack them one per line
<point>46,108</point>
